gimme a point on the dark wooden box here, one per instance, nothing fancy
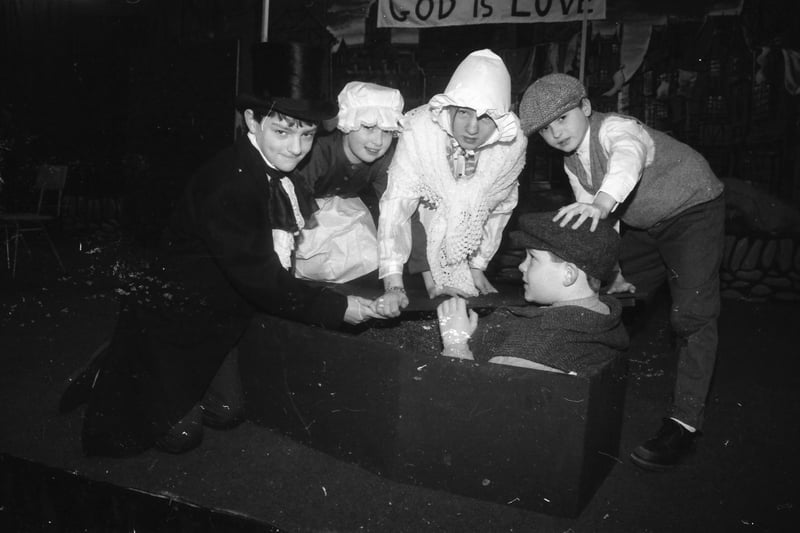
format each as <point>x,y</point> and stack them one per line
<point>533,439</point>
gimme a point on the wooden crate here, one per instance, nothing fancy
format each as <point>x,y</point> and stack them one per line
<point>522,437</point>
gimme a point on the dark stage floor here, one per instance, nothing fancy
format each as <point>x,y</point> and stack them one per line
<point>743,477</point>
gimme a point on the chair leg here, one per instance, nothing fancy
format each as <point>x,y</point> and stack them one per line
<point>17,237</point>
<point>53,248</point>
<point>11,259</point>
<point>8,250</point>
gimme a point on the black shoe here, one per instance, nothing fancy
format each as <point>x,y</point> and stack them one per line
<point>80,384</point>
<point>218,415</point>
<point>671,444</point>
<point>186,435</point>
<point>223,402</point>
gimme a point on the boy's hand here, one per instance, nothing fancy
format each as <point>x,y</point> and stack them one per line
<point>600,208</point>
<point>446,290</point>
<point>358,310</point>
<point>620,285</point>
<point>390,304</point>
<point>580,210</point>
<point>481,283</point>
<point>456,325</point>
<point>434,291</point>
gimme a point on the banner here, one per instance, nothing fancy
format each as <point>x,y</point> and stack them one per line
<point>432,13</point>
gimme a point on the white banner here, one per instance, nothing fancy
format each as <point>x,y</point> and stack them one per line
<point>431,13</point>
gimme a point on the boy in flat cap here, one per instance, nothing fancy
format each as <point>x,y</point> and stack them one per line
<point>226,254</point>
<point>572,328</point>
<point>672,212</point>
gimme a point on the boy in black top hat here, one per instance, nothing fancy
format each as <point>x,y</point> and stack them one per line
<point>572,328</point>
<point>226,254</point>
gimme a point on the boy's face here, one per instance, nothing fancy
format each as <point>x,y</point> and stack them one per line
<point>470,130</point>
<point>283,140</point>
<point>543,277</point>
<point>567,131</point>
<point>366,144</point>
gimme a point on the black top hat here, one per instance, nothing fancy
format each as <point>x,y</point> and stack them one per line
<point>288,78</point>
<point>315,111</point>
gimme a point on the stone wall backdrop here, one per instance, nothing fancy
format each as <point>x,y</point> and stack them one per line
<point>762,246</point>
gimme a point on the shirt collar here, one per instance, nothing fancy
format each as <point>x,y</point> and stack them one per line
<point>252,139</point>
<point>583,147</point>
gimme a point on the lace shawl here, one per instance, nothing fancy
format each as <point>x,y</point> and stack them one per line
<point>461,207</point>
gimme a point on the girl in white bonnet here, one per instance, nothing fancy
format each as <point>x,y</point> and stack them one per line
<point>347,173</point>
<point>457,164</point>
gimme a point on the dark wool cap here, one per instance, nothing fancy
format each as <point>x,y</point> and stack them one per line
<point>548,98</point>
<point>595,253</point>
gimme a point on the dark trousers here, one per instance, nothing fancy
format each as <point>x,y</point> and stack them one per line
<point>686,252</point>
<point>153,380</point>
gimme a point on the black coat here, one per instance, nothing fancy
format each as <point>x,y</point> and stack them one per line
<point>216,270</point>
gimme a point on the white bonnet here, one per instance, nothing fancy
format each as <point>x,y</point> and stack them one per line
<point>481,82</point>
<point>362,103</point>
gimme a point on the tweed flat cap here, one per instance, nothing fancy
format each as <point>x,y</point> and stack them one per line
<point>595,252</point>
<point>548,98</point>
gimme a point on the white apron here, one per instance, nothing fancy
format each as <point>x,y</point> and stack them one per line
<point>342,246</point>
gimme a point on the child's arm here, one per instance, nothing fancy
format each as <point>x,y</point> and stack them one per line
<point>397,206</point>
<point>456,326</point>
<point>629,148</point>
<point>492,235</point>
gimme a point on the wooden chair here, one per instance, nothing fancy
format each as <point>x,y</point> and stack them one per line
<point>50,180</point>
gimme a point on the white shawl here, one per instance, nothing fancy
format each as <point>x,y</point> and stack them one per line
<point>455,230</point>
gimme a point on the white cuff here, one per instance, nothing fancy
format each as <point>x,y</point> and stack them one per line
<point>458,351</point>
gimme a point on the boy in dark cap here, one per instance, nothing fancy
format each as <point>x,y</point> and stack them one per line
<point>572,329</point>
<point>226,255</point>
<point>673,214</point>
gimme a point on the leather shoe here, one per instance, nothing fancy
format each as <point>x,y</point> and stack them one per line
<point>666,449</point>
<point>186,435</point>
<point>218,415</point>
<point>223,402</point>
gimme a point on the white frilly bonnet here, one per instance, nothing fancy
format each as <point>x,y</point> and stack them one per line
<point>369,104</point>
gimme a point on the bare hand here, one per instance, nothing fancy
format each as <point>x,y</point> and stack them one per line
<point>390,304</point>
<point>359,310</point>
<point>435,291</point>
<point>481,283</point>
<point>581,212</point>
<point>620,285</point>
<point>446,290</point>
